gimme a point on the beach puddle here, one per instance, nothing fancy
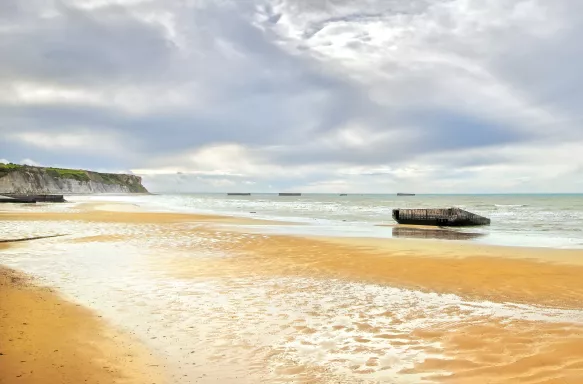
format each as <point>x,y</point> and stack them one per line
<point>247,308</point>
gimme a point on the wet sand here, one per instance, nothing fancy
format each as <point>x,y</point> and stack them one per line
<point>530,276</point>
<point>45,339</point>
<point>333,310</point>
<point>129,213</point>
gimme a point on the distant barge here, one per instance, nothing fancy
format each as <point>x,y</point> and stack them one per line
<point>447,217</point>
<point>289,194</point>
<point>405,194</point>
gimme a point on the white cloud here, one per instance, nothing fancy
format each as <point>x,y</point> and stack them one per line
<point>30,93</point>
<point>30,162</point>
<point>213,160</point>
<point>224,159</point>
<point>75,140</point>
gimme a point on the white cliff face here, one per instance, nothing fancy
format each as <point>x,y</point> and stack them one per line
<point>43,183</point>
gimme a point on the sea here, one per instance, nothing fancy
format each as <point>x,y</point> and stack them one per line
<point>531,220</point>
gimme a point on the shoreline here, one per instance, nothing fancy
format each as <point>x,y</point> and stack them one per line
<point>106,210</point>
<point>222,302</point>
<point>124,212</point>
<point>281,225</point>
<point>44,338</point>
<point>514,223</point>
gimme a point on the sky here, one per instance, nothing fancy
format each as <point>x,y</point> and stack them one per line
<point>379,96</point>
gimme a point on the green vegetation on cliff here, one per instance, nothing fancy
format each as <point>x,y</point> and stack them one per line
<point>7,168</point>
<point>62,173</point>
<point>132,182</point>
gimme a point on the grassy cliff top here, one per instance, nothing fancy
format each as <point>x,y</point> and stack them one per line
<point>133,182</point>
<point>76,174</point>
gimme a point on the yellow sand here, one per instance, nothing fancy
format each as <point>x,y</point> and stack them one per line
<point>105,213</point>
<point>45,339</point>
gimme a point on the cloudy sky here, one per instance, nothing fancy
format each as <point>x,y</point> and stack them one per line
<point>305,95</point>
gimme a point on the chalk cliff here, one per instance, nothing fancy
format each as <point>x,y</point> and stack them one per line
<point>25,179</point>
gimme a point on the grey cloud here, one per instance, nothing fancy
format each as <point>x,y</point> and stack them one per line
<point>257,98</point>
<point>81,47</point>
<point>172,77</point>
<point>547,69</point>
<point>443,131</point>
<point>14,152</point>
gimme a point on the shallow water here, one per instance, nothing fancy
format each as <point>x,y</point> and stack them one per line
<point>214,324</point>
<point>517,220</point>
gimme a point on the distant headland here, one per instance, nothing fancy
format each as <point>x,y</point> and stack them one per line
<point>26,179</point>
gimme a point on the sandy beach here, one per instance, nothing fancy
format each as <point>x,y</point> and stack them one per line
<point>218,303</point>
<point>46,339</point>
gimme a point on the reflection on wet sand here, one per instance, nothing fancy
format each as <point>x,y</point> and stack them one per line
<point>440,234</point>
<point>236,307</point>
<point>500,351</point>
<point>45,339</point>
